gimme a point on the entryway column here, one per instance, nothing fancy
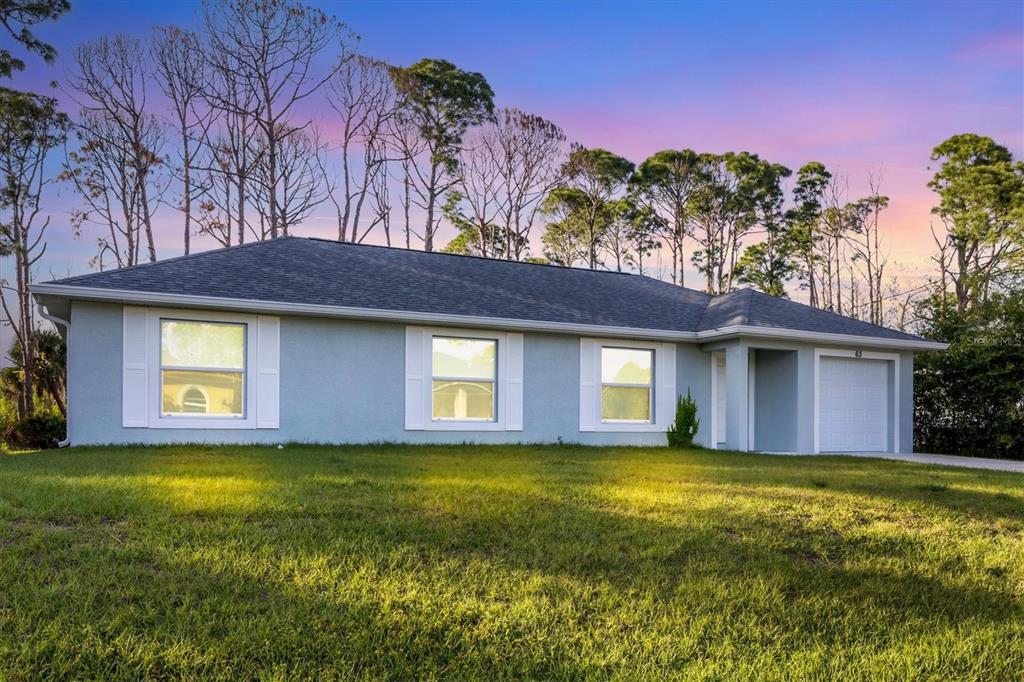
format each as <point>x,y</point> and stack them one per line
<point>737,382</point>
<point>806,378</point>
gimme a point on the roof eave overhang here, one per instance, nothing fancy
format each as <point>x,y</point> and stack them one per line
<point>452,320</point>
<point>782,334</point>
<point>352,313</point>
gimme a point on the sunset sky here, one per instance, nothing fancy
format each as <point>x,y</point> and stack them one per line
<point>866,88</point>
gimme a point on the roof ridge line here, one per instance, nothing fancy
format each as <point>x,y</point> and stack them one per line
<point>467,255</point>
<point>555,266</point>
<point>704,311</point>
<point>711,298</point>
<point>383,247</point>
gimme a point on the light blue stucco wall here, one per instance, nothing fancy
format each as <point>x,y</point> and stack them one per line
<point>344,382</point>
<point>693,374</point>
<point>738,376</point>
<point>775,394</point>
<point>906,398</point>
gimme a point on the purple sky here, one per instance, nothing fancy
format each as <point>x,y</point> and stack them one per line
<point>862,87</point>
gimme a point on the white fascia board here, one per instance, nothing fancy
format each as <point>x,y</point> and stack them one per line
<point>443,319</point>
<point>817,337</point>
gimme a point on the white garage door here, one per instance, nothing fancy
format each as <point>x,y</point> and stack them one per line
<point>853,405</point>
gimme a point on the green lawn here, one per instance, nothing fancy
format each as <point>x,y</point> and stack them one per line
<point>516,562</point>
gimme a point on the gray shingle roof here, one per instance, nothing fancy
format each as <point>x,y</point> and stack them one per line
<point>757,309</point>
<point>317,271</point>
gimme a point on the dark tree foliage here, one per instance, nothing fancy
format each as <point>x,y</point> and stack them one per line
<point>444,100</point>
<point>440,101</point>
<point>48,370</point>
<point>969,400</point>
<point>16,17</point>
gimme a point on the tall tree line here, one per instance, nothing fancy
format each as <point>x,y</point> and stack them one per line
<point>967,400</point>
<point>31,128</point>
<point>223,135</point>
<point>728,217</point>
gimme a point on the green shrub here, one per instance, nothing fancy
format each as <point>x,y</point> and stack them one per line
<point>38,431</point>
<point>681,434</point>
<point>8,419</point>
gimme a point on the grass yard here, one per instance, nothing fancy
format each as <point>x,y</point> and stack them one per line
<point>505,562</point>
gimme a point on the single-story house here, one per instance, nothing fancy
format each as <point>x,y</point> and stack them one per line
<point>320,341</point>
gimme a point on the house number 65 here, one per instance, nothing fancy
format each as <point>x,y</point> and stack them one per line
<point>858,354</point>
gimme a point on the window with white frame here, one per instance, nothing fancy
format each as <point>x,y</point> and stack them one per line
<point>463,379</point>
<point>627,385</point>
<point>202,369</point>
<point>199,369</point>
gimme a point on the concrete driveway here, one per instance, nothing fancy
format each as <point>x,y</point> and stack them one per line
<point>948,460</point>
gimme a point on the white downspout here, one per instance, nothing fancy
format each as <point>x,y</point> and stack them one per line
<point>67,328</point>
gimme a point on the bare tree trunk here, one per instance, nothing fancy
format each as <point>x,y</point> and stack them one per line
<point>23,324</point>
<point>121,144</point>
<point>812,286</point>
<point>272,179</point>
<point>29,130</point>
<point>147,220</point>
<point>348,186</point>
<point>406,201</point>
<point>241,208</point>
<point>187,190</point>
<point>26,335</point>
<point>179,61</point>
<point>272,55</point>
<point>428,231</point>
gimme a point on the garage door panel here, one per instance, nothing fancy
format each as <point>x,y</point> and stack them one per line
<point>853,400</point>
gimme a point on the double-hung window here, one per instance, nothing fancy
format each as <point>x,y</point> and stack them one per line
<point>202,369</point>
<point>463,379</point>
<point>199,369</point>
<point>627,385</point>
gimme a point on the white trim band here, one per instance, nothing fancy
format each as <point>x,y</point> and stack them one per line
<point>415,317</point>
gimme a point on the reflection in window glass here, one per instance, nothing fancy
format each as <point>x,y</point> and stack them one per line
<point>464,372</point>
<point>465,400</point>
<point>464,358</point>
<point>626,365</point>
<point>215,345</point>
<point>627,386</point>
<point>202,369</point>
<point>625,403</point>
<point>194,400</point>
<point>198,393</point>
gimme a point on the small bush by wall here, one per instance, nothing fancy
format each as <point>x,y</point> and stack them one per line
<point>683,430</point>
<point>37,432</point>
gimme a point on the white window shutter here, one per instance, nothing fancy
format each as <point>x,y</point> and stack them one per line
<point>665,385</point>
<point>135,397</point>
<point>415,378</point>
<point>590,384</point>
<point>268,372</point>
<point>513,382</point>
